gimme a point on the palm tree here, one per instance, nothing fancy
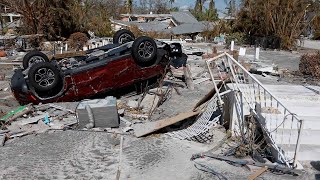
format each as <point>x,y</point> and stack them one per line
<point>199,5</point>
<point>129,6</point>
<point>171,2</point>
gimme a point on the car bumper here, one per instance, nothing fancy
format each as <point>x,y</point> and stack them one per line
<point>20,89</point>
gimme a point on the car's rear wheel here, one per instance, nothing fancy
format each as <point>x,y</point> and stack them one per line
<point>144,50</point>
<point>44,76</point>
<point>34,57</point>
<point>123,36</point>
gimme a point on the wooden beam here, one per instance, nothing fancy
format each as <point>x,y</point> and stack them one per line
<point>147,128</point>
<point>258,173</point>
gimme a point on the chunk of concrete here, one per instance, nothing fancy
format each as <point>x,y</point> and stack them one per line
<point>104,111</point>
<point>149,102</point>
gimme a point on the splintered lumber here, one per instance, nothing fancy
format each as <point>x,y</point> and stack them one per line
<point>188,77</point>
<point>26,109</point>
<point>2,140</point>
<point>147,128</point>
<point>31,120</point>
<point>258,173</point>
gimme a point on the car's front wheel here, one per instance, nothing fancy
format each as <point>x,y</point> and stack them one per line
<point>144,50</point>
<point>44,76</point>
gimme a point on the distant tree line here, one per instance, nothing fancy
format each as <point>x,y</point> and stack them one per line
<point>285,19</point>
<point>57,18</point>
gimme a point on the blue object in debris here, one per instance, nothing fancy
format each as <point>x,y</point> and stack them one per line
<point>46,119</point>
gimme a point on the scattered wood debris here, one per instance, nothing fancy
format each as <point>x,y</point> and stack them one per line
<point>147,128</point>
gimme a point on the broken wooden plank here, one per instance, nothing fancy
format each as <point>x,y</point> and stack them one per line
<point>3,140</point>
<point>147,128</point>
<point>26,110</point>
<point>21,134</point>
<point>61,108</point>
<point>201,80</point>
<point>30,120</point>
<point>188,77</point>
<point>258,173</point>
<point>4,131</point>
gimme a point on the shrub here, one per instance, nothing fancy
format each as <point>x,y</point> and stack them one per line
<point>310,65</point>
<point>237,37</point>
<point>78,40</point>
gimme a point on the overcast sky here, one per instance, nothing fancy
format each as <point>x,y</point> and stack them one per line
<point>179,3</point>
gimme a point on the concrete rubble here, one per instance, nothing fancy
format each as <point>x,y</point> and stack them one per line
<point>143,129</point>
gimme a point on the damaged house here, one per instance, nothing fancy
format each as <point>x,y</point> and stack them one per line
<point>9,19</point>
<point>175,23</point>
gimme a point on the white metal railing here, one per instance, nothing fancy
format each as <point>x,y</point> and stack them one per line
<point>282,126</point>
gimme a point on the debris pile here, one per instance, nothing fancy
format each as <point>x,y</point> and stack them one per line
<point>185,104</point>
<point>310,65</point>
<point>31,119</point>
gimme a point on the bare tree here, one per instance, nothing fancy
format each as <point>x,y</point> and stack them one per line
<point>284,19</point>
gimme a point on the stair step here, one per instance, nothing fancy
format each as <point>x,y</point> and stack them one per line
<point>306,152</point>
<point>275,120</point>
<point>283,136</point>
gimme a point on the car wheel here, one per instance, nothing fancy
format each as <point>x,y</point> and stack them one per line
<point>44,76</point>
<point>144,50</point>
<point>123,36</point>
<point>34,57</point>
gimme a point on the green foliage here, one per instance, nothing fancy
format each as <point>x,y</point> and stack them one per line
<point>56,18</point>
<point>284,19</point>
<point>237,37</point>
<point>210,14</point>
<point>231,7</point>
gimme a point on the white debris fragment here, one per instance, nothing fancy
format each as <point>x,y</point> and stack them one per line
<point>133,104</point>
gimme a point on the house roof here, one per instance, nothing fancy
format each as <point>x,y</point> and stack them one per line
<point>145,26</point>
<point>185,23</point>
<point>153,26</point>
<point>183,17</point>
<point>122,23</point>
<point>190,28</point>
<point>146,15</point>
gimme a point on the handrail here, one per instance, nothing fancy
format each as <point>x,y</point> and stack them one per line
<point>251,100</point>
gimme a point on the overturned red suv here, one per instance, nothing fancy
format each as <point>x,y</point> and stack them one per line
<point>125,62</point>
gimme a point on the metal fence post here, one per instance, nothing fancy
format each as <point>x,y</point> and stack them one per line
<point>295,159</point>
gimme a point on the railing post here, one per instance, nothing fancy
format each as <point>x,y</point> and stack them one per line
<point>295,159</point>
<point>214,83</point>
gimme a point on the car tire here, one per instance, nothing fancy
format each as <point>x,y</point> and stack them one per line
<point>144,50</point>
<point>44,76</point>
<point>34,57</point>
<point>123,36</point>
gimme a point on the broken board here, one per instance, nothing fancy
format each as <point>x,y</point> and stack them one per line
<point>258,173</point>
<point>147,128</point>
